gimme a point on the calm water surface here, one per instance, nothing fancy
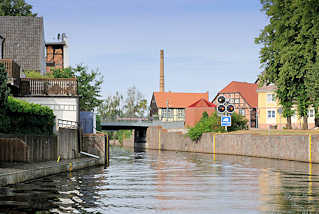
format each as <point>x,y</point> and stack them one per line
<point>172,182</point>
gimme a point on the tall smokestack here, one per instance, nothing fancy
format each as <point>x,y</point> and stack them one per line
<point>162,87</point>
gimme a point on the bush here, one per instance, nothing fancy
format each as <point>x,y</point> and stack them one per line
<point>212,124</point>
<point>20,117</point>
<point>38,75</point>
<point>98,123</point>
<point>26,118</point>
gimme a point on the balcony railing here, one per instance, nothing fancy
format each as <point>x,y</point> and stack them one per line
<point>45,87</point>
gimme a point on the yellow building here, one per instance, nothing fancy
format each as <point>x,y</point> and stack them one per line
<point>270,112</point>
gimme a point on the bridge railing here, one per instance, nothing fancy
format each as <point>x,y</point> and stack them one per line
<point>133,118</point>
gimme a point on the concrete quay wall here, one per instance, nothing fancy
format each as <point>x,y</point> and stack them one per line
<point>33,148</point>
<point>16,165</point>
<point>23,172</point>
<point>288,147</point>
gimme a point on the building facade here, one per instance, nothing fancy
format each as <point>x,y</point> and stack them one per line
<point>270,111</point>
<point>244,97</point>
<point>170,106</point>
<point>23,41</point>
<point>194,112</point>
<point>57,55</point>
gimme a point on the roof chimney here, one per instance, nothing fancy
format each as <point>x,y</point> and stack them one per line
<point>162,88</point>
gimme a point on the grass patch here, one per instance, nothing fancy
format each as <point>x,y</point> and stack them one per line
<point>276,132</point>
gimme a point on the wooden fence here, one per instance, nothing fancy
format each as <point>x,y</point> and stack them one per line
<point>11,67</point>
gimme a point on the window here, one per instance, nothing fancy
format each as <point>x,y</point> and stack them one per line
<point>236,100</point>
<point>167,113</point>
<point>311,113</point>
<point>271,114</point>
<point>270,98</point>
<point>231,100</point>
<point>181,113</point>
<point>164,113</point>
<point>242,112</point>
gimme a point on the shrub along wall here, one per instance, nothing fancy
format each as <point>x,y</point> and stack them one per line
<point>26,118</point>
<point>20,117</point>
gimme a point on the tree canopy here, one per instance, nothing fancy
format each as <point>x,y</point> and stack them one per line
<point>132,105</point>
<point>4,91</point>
<point>89,85</point>
<point>290,49</point>
<point>15,8</point>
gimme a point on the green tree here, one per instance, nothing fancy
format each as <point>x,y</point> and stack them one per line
<point>15,8</point>
<point>289,48</point>
<point>4,93</point>
<point>111,108</point>
<point>4,90</point>
<point>135,104</point>
<point>89,85</point>
<point>312,88</point>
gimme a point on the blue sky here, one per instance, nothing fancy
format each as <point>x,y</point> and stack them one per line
<point>207,43</point>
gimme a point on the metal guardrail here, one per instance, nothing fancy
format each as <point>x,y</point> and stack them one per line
<point>68,124</point>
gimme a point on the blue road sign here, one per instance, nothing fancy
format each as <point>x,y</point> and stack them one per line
<point>226,121</point>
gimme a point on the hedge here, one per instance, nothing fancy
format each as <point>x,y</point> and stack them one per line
<point>26,118</point>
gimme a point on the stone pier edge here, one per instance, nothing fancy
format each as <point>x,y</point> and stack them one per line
<point>42,169</point>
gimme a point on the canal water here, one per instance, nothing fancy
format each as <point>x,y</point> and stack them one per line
<point>172,182</point>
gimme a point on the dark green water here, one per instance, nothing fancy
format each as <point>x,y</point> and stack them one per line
<point>170,182</point>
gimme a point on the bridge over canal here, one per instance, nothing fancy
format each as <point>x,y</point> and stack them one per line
<point>138,125</point>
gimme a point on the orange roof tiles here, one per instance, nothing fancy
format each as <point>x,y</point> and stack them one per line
<point>177,99</point>
<point>202,103</point>
<point>246,90</point>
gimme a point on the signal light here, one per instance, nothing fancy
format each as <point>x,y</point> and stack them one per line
<point>221,99</point>
<point>230,108</point>
<point>221,108</point>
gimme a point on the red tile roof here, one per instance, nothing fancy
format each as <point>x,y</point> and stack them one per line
<point>246,90</point>
<point>177,99</point>
<point>202,103</point>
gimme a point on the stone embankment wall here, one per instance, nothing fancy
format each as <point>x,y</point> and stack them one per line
<point>68,144</point>
<point>65,146</point>
<point>299,148</point>
<point>94,144</point>
<point>29,148</point>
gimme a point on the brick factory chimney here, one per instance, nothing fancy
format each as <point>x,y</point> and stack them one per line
<point>162,87</point>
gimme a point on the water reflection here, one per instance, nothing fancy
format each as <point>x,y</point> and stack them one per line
<point>172,182</point>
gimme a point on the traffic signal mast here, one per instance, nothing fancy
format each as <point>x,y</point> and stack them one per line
<point>225,109</point>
